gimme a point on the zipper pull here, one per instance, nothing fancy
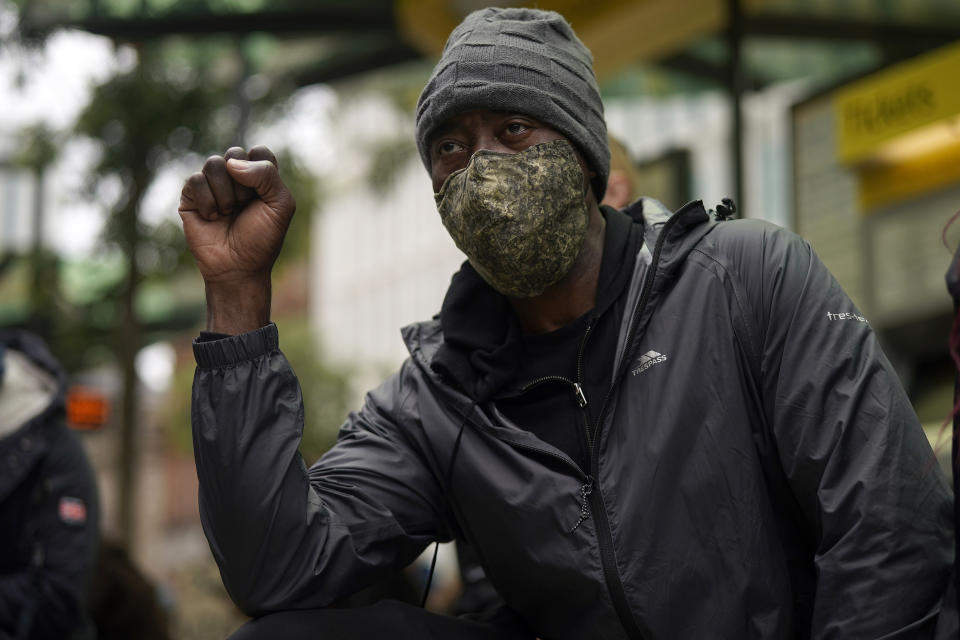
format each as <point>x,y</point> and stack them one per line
<point>581,396</point>
<point>585,492</point>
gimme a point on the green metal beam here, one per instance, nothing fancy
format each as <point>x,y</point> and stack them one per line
<point>347,62</point>
<point>801,26</point>
<point>322,19</point>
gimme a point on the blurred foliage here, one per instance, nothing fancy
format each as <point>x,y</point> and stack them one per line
<point>176,104</point>
<point>14,291</point>
<point>400,86</point>
<point>174,107</point>
<point>38,147</point>
<point>306,190</point>
<point>143,119</point>
<point>182,100</point>
<point>179,104</point>
<point>389,157</point>
<point>326,391</point>
<point>174,415</point>
<point>81,9</point>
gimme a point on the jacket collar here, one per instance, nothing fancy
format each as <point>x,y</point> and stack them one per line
<point>473,352</point>
<point>481,336</point>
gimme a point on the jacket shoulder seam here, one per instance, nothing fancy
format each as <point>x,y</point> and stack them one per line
<point>755,339</point>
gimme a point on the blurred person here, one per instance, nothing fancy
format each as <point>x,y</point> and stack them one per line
<point>123,602</point>
<point>622,181</point>
<point>646,424</point>
<point>48,500</point>
<point>953,348</point>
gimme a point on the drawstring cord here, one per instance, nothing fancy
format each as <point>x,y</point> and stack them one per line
<point>433,565</point>
<point>448,479</point>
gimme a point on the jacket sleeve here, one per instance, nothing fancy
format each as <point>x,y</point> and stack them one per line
<point>285,537</point>
<point>51,593</point>
<point>868,486</point>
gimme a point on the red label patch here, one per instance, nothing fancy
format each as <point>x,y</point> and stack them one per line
<point>72,510</point>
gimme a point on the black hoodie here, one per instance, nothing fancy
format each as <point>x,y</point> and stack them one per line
<point>531,376</point>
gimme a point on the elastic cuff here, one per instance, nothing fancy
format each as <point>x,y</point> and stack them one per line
<point>212,354</point>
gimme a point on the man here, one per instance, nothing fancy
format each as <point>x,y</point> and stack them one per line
<point>646,425</point>
<point>48,500</point>
<point>476,592</point>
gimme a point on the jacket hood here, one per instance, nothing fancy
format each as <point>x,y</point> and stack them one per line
<point>32,382</point>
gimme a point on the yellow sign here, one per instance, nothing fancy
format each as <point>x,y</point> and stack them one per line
<point>885,183</point>
<point>885,105</point>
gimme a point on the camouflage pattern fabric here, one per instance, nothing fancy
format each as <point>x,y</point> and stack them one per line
<point>521,218</point>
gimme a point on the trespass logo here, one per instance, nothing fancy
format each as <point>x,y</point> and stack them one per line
<point>647,360</point>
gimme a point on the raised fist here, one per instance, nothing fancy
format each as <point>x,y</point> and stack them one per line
<point>235,213</point>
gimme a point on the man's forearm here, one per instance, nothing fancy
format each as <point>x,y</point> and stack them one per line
<point>253,490</point>
<point>235,308</point>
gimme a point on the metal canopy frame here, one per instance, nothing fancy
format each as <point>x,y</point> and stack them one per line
<point>380,40</point>
<point>375,20</point>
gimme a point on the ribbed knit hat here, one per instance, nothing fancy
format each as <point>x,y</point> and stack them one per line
<point>525,61</point>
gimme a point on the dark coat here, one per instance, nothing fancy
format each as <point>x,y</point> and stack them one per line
<point>48,517</point>
<point>758,471</point>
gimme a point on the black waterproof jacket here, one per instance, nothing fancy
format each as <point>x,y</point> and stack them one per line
<point>757,471</point>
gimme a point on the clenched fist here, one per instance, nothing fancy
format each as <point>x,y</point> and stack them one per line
<point>235,213</point>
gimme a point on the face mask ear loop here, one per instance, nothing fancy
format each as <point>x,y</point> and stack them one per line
<point>448,477</point>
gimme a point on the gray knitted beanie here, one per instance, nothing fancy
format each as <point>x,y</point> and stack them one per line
<point>521,60</point>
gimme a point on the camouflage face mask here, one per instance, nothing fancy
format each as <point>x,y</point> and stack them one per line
<point>520,217</point>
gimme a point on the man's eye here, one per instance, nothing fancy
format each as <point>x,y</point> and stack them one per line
<point>517,128</point>
<point>446,147</point>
